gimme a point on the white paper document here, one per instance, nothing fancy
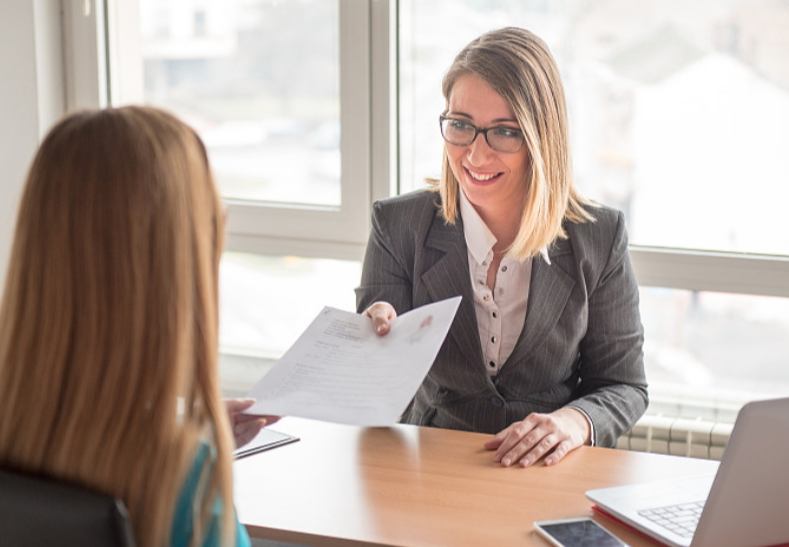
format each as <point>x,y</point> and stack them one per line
<point>339,370</point>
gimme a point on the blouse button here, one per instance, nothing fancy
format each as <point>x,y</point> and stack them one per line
<point>493,339</point>
<point>495,315</point>
<point>486,297</point>
<point>504,268</point>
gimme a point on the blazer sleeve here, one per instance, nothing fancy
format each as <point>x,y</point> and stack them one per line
<point>612,389</point>
<point>388,264</point>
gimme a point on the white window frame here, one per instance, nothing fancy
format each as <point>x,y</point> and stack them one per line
<point>368,151</point>
<point>759,275</point>
<point>259,227</point>
<point>86,76</point>
<point>32,98</point>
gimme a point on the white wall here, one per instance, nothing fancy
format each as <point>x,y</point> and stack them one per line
<point>31,97</point>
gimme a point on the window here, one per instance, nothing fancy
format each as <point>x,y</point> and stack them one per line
<point>678,111</point>
<point>281,94</point>
<point>265,102</point>
<point>291,148</point>
<point>267,301</point>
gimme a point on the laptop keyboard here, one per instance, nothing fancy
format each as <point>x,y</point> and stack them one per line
<point>680,519</point>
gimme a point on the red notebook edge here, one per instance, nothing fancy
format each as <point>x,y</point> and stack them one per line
<point>606,515</point>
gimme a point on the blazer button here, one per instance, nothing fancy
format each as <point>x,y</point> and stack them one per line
<point>495,401</point>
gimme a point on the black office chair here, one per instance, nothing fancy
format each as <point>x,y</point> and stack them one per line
<point>41,512</point>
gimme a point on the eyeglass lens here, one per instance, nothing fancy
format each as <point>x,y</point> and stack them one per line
<point>500,138</point>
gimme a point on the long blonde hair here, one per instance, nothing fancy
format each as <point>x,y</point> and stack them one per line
<point>518,66</point>
<point>108,326</point>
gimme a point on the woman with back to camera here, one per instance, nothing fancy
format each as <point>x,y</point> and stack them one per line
<point>546,349</point>
<point>108,326</point>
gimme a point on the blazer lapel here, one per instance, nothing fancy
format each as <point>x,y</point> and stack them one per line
<point>549,290</point>
<point>449,276</point>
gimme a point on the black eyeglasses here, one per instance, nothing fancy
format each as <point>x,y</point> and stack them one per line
<point>500,138</point>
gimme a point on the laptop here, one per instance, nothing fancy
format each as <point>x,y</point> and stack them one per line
<point>744,504</point>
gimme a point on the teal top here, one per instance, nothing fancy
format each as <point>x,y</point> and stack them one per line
<point>189,502</point>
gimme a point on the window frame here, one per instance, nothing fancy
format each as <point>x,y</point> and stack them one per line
<point>368,77</point>
<point>261,227</point>
<point>32,99</point>
<point>738,273</point>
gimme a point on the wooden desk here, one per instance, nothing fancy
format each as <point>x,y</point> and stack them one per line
<point>409,486</point>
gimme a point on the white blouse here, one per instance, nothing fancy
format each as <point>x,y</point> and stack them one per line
<point>501,313</point>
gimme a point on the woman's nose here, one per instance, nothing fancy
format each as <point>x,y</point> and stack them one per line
<point>479,150</point>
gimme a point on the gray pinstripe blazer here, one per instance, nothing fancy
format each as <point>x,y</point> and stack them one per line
<point>581,343</point>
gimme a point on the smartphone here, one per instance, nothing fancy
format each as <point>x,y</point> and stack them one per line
<point>577,532</point>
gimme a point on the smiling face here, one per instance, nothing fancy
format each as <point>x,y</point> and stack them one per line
<point>495,183</point>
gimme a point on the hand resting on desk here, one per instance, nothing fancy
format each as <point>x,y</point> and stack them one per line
<point>552,435</point>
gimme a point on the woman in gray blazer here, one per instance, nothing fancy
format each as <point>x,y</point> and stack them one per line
<point>546,349</point>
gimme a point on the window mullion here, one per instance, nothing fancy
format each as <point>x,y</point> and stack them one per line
<point>709,271</point>
<point>84,28</point>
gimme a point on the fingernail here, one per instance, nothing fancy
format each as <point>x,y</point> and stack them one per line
<point>506,462</point>
<point>380,328</point>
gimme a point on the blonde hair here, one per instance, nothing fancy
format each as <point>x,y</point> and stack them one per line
<point>108,326</point>
<point>518,66</point>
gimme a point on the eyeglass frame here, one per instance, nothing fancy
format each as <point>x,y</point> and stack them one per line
<point>477,131</point>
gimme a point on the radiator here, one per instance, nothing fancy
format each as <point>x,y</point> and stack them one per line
<point>660,434</point>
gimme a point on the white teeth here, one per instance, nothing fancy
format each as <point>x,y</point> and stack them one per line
<point>477,176</point>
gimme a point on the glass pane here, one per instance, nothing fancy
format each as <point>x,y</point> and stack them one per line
<point>267,302</point>
<point>718,347</point>
<point>679,111</point>
<point>259,80</point>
